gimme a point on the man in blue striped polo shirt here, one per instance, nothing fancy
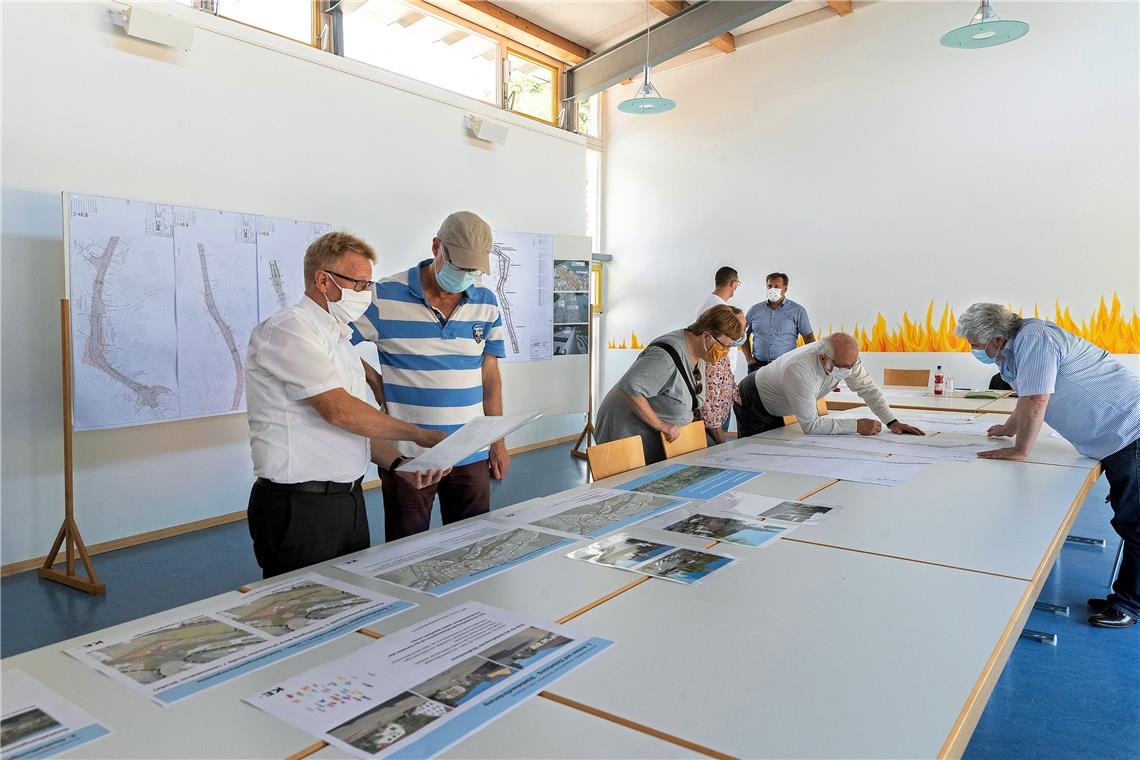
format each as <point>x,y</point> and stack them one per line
<point>440,338</point>
<point>1089,398</point>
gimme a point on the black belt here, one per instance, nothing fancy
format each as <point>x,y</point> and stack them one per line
<point>326,487</point>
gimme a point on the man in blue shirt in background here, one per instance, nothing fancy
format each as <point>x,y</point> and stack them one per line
<point>774,325</point>
<point>1089,398</point>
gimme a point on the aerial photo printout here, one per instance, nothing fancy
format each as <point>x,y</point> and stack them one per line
<point>183,651</point>
<point>591,513</point>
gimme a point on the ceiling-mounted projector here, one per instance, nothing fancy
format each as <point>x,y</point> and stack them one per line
<point>155,27</point>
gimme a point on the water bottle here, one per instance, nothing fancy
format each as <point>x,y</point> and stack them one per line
<point>939,381</point>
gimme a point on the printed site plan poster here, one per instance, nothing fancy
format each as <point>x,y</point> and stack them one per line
<point>455,556</point>
<point>417,692</point>
<point>233,634</point>
<point>591,513</point>
<point>38,723</point>
<point>689,481</point>
<point>522,276</point>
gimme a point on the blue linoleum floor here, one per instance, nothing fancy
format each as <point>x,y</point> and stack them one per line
<point>1078,699</point>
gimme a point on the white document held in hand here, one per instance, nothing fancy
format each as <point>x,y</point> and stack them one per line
<point>475,436</point>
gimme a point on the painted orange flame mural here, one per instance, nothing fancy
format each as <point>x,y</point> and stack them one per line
<point>1106,327</point>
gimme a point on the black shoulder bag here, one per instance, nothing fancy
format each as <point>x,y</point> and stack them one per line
<point>684,375</point>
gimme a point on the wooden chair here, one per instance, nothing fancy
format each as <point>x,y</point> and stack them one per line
<point>820,407</point>
<point>914,378</point>
<point>692,437</point>
<point>615,457</point>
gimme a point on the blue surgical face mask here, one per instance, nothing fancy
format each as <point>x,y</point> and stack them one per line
<point>982,356</point>
<point>453,279</point>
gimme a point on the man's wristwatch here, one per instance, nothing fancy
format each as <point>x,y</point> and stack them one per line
<point>891,423</point>
<point>397,462</point>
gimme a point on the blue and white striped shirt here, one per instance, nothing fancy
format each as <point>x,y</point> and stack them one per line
<point>432,366</point>
<point>774,331</point>
<point>1095,400</point>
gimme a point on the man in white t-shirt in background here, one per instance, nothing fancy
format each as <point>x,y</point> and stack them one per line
<point>721,376</point>
<point>727,281</point>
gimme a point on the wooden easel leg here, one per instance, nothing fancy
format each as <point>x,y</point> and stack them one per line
<point>68,537</point>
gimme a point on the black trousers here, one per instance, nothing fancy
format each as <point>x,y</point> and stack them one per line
<point>293,529</point>
<point>751,416</point>
<point>464,492</point>
<point>1123,472</point>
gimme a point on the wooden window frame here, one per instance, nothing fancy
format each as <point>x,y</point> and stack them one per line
<point>518,51</point>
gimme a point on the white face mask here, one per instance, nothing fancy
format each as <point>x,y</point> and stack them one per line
<point>774,294</point>
<point>351,306</point>
<point>840,374</point>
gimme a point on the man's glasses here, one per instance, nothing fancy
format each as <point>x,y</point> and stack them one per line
<point>357,285</point>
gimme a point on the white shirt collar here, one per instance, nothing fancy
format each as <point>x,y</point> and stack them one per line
<point>326,320</point>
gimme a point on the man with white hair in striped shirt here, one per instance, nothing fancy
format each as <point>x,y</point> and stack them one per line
<point>1089,398</point>
<point>439,336</point>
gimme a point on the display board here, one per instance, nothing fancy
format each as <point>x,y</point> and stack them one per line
<point>163,300</point>
<point>522,276</point>
<point>571,307</point>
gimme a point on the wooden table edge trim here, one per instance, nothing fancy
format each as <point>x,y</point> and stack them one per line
<point>963,729</point>
<point>907,559</point>
<point>635,726</point>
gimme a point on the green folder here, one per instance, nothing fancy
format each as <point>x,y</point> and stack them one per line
<point>984,394</point>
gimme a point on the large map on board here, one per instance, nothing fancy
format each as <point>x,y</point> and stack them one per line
<point>163,300</point>
<point>281,245</point>
<point>522,276</point>
<point>123,330</point>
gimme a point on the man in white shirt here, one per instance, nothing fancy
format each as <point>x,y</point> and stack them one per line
<point>313,421</point>
<point>726,282</point>
<point>795,381</point>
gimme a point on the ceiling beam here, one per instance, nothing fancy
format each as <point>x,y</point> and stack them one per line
<point>725,43</point>
<point>692,27</point>
<point>514,27</point>
<point>841,7</point>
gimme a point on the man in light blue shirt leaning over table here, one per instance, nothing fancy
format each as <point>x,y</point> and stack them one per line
<point>1089,398</point>
<point>774,325</point>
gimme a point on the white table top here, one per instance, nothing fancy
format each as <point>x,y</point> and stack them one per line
<point>1001,406</point>
<point>987,516</point>
<point>1047,450</point>
<point>800,651</point>
<point>543,729</point>
<point>212,724</point>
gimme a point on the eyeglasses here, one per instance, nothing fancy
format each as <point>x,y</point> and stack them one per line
<point>698,387</point>
<point>357,285</point>
<point>468,270</point>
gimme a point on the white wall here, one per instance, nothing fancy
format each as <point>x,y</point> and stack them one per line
<point>881,170</point>
<point>236,126</point>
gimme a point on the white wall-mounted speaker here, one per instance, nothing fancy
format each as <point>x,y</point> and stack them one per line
<point>486,130</point>
<point>157,27</point>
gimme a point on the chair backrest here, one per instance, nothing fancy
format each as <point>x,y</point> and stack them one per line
<point>692,437</point>
<point>615,457</point>
<point>915,378</point>
<point>820,407</point>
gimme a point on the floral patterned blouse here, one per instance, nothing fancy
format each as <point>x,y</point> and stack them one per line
<point>720,393</point>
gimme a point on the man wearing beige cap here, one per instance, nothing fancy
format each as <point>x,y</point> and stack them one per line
<point>440,337</point>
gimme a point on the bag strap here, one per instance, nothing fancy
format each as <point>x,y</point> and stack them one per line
<point>681,369</point>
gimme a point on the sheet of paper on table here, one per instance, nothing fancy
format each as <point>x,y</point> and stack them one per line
<point>719,525</point>
<point>771,510</point>
<point>420,690</point>
<point>175,654</point>
<point>455,556</point>
<point>38,723</point>
<point>591,513</point>
<point>932,422</point>
<point>473,437</point>
<point>672,563</point>
<point>927,447</point>
<point>875,469</point>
